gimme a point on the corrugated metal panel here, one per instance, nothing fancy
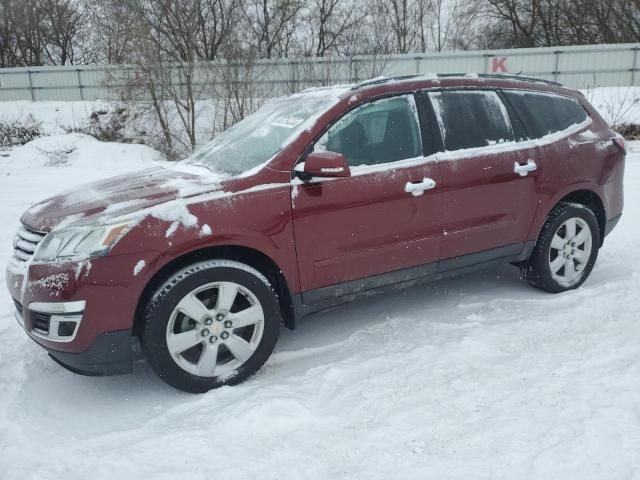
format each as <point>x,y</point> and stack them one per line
<point>54,79</point>
<point>13,79</point>
<point>14,94</point>
<point>459,64</point>
<point>575,66</point>
<point>599,79</point>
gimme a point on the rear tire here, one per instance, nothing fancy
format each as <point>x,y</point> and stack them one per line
<point>211,324</point>
<point>566,250</point>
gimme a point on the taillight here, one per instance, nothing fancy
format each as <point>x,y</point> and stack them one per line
<point>619,142</point>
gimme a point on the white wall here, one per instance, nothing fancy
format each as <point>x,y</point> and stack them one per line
<point>577,66</point>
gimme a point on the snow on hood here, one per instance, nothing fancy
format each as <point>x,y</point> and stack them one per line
<point>120,195</point>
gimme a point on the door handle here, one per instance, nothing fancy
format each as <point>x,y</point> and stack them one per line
<point>418,188</point>
<point>523,170</point>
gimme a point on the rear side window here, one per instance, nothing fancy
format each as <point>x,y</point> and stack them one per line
<point>470,119</point>
<point>544,113</point>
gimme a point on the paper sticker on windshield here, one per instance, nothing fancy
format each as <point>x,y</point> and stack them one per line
<point>289,121</point>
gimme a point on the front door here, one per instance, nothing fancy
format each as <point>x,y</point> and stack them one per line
<point>489,180</point>
<point>351,233</point>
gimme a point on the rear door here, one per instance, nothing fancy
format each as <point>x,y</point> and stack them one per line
<point>568,157</point>
<point>489,180</point>
<point>352,232</point>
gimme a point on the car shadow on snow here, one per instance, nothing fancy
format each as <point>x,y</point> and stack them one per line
<point>434,301</point>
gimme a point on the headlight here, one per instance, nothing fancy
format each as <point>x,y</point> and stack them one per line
<point>80,242</point>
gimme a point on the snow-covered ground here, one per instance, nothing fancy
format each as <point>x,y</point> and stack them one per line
<point>616,104</point>
<point>477,377</point>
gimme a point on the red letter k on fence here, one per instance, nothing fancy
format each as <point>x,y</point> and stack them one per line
<point>498,64</point>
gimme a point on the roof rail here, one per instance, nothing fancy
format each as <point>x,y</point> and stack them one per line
<point>524,78</point>
<point>380,80</point>
<point>505,76</point>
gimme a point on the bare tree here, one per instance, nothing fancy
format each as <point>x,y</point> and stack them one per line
<point>329,20</point>
<point>533,23</point>
<point>165,58</point>
<point>238,90</point>
<point>29,31</point>
<point>215,21</point>
<point>113,25</point>
<point>176,41</point>
<point>65,24</point>
<point>440,23</point>
<point>43,32</point>
<point>273,24</point>
<point>623,23</point>
<point>402,21</point>
<point>8,44</point>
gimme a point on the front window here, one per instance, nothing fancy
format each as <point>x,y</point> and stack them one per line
<point>378,132</point>
<point>257,138</point>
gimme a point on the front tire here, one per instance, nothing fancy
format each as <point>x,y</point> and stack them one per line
<point>212,323</point>
<point>566,250</point>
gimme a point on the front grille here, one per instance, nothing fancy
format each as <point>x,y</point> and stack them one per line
<point>40,321</point>
<point>25,243</point>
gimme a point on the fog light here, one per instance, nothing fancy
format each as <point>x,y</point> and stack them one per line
<point>56,321</point>
<point>66,329</point>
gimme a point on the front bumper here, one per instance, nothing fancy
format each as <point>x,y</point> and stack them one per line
<point>110,354</point>
<point>80,313</point>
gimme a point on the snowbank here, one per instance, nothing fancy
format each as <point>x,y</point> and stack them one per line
<point>139,122</point>
<point>54,116</point>
<point>80,152</point>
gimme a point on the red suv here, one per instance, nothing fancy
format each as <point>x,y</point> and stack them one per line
<point>314,200</point>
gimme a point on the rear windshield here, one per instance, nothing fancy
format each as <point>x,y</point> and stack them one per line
<point>544,113</point>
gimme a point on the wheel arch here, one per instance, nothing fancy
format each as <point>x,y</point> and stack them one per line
<point>250,256</point>
<point>584,196</point>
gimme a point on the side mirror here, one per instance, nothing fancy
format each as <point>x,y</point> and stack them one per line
<point>324,165</point>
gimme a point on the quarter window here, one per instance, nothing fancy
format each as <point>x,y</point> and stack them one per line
<point>470,119</point>
<point>545,113</point>
<point>382,131</point>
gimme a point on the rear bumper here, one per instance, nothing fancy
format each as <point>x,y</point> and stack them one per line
<point>109,354</point>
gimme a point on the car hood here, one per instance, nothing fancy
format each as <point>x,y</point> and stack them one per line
<point>120,195</point>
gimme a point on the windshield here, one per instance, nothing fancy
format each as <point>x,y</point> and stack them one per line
<point>258,137</point>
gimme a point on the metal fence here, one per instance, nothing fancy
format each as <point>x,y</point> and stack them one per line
<point>576,66</point>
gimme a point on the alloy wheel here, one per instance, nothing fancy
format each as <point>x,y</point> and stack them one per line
<point>215,329</point>
<point>570,251</point>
